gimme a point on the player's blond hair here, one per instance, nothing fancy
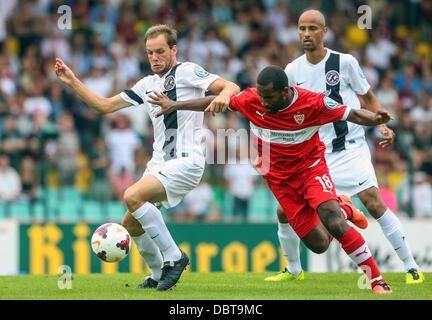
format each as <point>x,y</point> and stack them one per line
<point>156,30</point>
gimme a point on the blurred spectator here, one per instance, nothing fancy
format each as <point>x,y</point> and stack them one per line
<point>380,51</point>
<point>10,186</point>
<point>221,11</point>
<point>408,79</point>
<point>422,193</point>
<point>57,101</point>
<point>99,81</point>
<point>6,9</point>
<point>104,30</point>
<point>238,30</point>
<point>84,174</point>
<point>37,102</point>
<point>191,48</point>
<point>13,143</point>
<point>120,182</point>
<point>30,180</point>
<point>56,45</point>
<point>388,195</point>
<point>67,150</point>
<point>240,177</point>
<point>99,161</point>
<point>389,100</point>
<point>122,143</point>
<point>126,28</point>
<point>200,205</point>
<point>422,112</point>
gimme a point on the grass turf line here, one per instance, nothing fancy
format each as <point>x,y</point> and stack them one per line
<point>210,286</point>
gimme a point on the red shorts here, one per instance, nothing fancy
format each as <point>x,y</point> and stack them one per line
<point>302,193</point>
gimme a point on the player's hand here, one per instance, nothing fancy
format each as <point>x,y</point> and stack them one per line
<point>63,72</point>
<point>256,164</point>
<point>219,104</point>
<point>383,116</point>
<point>388,136</point>
<point>161,99</point>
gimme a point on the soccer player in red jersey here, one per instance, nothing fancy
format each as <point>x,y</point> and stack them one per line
<point>285,120</point>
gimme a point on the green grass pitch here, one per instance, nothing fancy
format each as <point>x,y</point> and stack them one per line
<point>210,286</point>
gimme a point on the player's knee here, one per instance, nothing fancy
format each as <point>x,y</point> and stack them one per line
<point>320,246</point>
<point>131,199</point>
<point>332,219</point>
<point>281,215</point>
<point>375,207</point>
<point>320,249</point>
<point>373,202</point>
<point>336,226</point>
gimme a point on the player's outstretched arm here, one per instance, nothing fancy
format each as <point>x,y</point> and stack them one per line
<point>367,118</point>
<point>372,104</point>
<point>167,105</point>
<point>95,101</point>
<point>225,89</point>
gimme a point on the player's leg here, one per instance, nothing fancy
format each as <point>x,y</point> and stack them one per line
<point>290,242</point>
<point>139,199</point>
<point>146,246</point>
<point>320,193</point>
<point>393,230</point>
<point>352,243</point>
<point>290,245</point>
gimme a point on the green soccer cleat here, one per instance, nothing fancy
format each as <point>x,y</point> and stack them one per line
<point>285,275</point>
<point>413,276</point>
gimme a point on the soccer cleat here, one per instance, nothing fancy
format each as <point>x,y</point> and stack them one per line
<point>358,218</point>
<point>149,283</point>
<point>171,272</point>
<point>285,275</point>
<point>382,288</point>
<point>414,276</point>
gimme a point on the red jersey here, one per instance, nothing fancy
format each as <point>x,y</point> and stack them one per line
<point>288,141</point>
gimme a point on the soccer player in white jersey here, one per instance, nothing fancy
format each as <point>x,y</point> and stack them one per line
<point>177,162</point>
<point>340,77</point>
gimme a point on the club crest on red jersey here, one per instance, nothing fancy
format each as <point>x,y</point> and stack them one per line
<point>299,118</point>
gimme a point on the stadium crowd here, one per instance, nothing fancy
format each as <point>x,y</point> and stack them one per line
<point>49,139</point>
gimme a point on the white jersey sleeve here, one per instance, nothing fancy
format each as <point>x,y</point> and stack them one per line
<point>356,78</point>
<point>195,76</point>
<point>137,94</point>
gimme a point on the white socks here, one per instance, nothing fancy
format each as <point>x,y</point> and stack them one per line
<point>393,231</point>
<point>290,244</point>
<point>151,254</point>
<point>153,224</point>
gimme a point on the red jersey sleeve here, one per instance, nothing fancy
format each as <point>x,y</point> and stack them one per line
<point>331,110</point>
<point>235,101</point>
<point>240,101</point>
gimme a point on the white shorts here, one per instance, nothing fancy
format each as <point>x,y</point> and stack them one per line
<point>351,170</point>
<point>178,176</point>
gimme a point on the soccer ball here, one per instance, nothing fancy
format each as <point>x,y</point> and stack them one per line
<point>111,242</point>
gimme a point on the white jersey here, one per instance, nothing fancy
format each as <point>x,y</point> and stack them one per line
<point>177,134</point>
<point>340,77</point>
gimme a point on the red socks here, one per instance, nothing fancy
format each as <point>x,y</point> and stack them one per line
<point>346,211</point>
<point>355,247</point>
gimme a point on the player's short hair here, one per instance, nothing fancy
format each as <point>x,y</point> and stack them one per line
<point>275,75</point>
<point>156,30</point>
